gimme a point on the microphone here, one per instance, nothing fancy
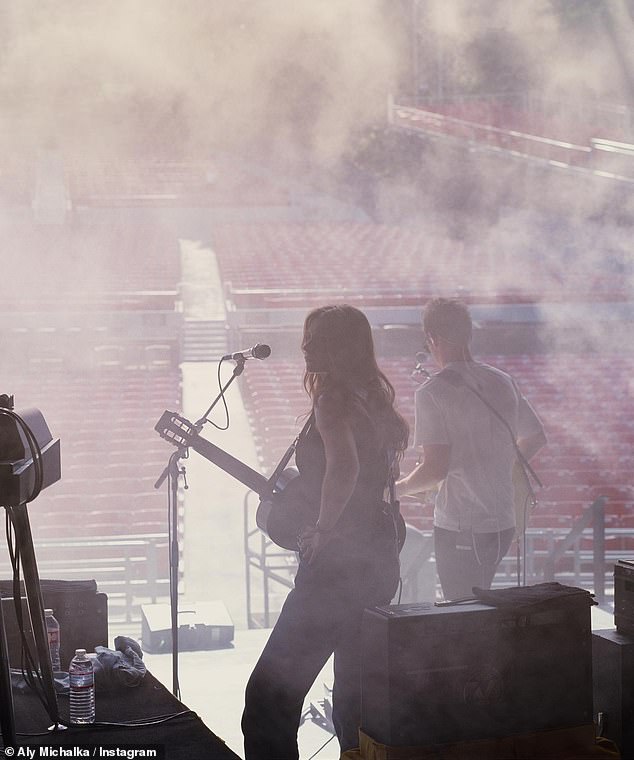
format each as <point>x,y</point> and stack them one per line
<point>420,374</point>
<point>421,356</point>
<point>259,351</point>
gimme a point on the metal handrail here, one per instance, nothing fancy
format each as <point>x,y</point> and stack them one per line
<point>593,517</point>
<point>260,553</point>
<point>536,148</point>
<point>260,556</point>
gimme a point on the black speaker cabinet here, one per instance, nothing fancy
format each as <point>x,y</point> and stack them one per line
<point>82,614</point>
<point>201,626</point>
<point>624,596</point>
<point>433,675</point>
<point>613,677</point>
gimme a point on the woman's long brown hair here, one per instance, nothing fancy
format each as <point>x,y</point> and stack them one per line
<point>353,370</point>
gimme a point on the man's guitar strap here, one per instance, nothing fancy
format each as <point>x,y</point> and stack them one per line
<point>391,483</point>
<point>455,378</point>
<point>394,506</point>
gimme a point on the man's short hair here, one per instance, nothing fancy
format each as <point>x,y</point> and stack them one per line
<point>448,318</point>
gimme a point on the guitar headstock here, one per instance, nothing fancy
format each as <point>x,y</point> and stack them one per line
<point>176,429</point>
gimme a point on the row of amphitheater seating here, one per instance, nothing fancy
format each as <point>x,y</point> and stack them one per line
<point>582,461</point>
<point>156,183</point>
<point>81,350</point>
<point>293,265</point>
<point>111,455</point>
<point>125,183</point>
<point>87,262</point>
<point>93,343</point>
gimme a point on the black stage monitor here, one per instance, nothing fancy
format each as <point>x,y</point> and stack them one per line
<point>624,597</point>
<point>25,462</point>
<point>436,675</point>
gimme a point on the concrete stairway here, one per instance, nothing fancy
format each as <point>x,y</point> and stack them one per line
<point>204,340</point>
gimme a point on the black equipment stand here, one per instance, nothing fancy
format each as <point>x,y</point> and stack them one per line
<point>29,461</point>
<point>172,471</point>
<point>7,714</point>
<point>24,545</point>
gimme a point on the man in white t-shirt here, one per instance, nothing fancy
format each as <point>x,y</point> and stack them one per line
<point>471,421</point>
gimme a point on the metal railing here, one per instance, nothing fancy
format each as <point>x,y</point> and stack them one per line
<point>544,551</point>
<point>130,570</point>
<point>507,139</point>
<point>555,153</point>
<point>276,565</point>
<point>594,518</point>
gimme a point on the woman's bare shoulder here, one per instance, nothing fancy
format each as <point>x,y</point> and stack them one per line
<point>331,409</point>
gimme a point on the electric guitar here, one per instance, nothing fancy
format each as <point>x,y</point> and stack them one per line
<point>285,509</point>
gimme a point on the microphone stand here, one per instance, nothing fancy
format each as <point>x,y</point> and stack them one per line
<point>173,471</point>
<point>237,371</point>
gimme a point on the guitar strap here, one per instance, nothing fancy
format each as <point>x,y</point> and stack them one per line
<point>391,483</point>
<point>393,503</point>
<point>281,465</point>
<point>455,378</point>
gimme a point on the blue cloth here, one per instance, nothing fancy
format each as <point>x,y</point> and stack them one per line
<point>122,666</point>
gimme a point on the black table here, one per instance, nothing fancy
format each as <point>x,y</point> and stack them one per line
<point>183,736</point>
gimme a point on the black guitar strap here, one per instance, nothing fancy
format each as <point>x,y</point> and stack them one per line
<point>394,504</point>
<point>281,465</point>
<point>391,484</point>
<point>455,378</point>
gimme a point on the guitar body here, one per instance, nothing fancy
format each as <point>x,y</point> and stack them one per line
<point>287,512</point>
<point>284,515</point>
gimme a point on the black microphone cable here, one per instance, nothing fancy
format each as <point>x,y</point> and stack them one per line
<point>224,402</point>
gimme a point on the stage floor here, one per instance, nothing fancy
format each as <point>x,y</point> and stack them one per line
<point>212,684</point>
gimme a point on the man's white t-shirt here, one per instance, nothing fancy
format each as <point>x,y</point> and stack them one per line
<point>477,494</point>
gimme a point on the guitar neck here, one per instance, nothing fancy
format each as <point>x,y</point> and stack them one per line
<point>234,467</point>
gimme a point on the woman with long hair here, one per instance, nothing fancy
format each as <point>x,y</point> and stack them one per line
<point>349,554</point>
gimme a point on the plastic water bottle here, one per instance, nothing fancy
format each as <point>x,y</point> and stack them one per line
<point>52,629</point>
<point>82,689</point>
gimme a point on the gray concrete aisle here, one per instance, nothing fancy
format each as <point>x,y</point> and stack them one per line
<point>212,547</point>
